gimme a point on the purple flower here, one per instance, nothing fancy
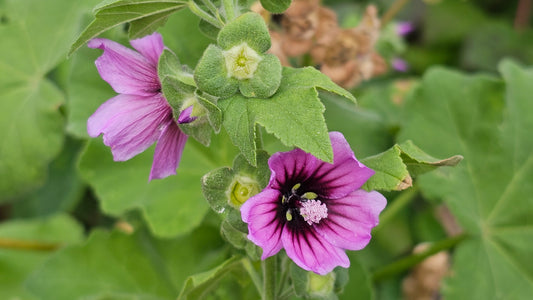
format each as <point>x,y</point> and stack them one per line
<point>404,28</point>
<point>139,115</point>
<point>400,65</point>
<point>313,209</point>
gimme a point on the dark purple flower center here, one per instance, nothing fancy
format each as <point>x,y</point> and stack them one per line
<point>300,208</point>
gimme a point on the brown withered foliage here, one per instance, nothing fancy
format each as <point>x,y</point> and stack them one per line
<point>424,281</point>
<point>310,30</point>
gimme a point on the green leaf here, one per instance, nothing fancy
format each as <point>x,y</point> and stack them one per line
<point>200,285</point>
<point>145,15</point>
<point>211,75</point>
<point>171,206</point>
<point>276,6</point>
<point>293,114</point>
<point>17,264</point>
<point>37,34</point>
<point>490,192</point>
<point>249,28</point>
<point>127,266</point>
<point>62,190</point>
<point>396,167</point>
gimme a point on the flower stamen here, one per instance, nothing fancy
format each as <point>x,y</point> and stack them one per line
<point>313,211</point>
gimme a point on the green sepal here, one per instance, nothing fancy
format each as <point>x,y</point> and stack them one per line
<point>276,6</point>
<point>170,66</point>
<point>309,285</point>
<point>220,185</point>
<point>208,29</point>
<point>250,28</point>
<point>211,75</point>
<point>266,80</point>
<point>396,167</point>
<point>234,236</point>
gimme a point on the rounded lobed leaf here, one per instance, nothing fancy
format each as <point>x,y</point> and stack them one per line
<point>249,28</point>
<point>211,75</point>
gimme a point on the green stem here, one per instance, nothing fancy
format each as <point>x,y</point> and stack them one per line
<point>197,10</point>
<point>395,206</point>
<point>27,245</point>
<point>270,269</point>
<point>247,264</point>
<point>394,9</point>
<point>229,8</point>
<point>212,8</point>
<point>413,259</point>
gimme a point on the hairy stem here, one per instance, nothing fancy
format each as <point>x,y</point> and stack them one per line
<point>247,264</point>
<point>229,8</point>
<point>415,258</point>
<point>270,269</point>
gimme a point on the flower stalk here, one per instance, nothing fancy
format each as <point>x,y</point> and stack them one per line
<point>410,261</point>
<point>270,270</point>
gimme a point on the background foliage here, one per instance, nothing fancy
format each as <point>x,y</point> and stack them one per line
<point>104,232</point>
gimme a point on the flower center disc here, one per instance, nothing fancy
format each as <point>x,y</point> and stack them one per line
<point>241,61</point>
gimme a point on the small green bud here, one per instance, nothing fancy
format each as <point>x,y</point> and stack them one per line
<point>241,189</point>
<point>241,61</point>
<point>320,285</point>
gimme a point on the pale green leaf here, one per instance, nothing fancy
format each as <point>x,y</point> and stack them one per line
<point>17,264</point>
<point>171,206</point>
<point>145,15</point>
<point>490,191</point>
<point>36,34</point>
<point>120,266</point>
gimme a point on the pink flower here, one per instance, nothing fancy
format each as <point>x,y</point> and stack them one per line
<point>313,209</point>
<point>139,115</point>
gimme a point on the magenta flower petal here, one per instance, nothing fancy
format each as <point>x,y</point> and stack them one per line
<point>317,208</point>
<point>350,219</point>
<point>312,252</point>
<point>168,151</point>
<point>150,46</point>
<point>127,71</point>
<point>129,123</point>
<point>261,209</point>
<point>345,175</point>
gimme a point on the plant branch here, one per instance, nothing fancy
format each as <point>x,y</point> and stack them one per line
<point>27,245</point>
<point>410,261</point>
<point>270,269</point>
<point>397,205</point>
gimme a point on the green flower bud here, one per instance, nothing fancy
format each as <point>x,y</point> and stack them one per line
<point>241,189</point>
<point>241,61</point>
<point>320,286</point>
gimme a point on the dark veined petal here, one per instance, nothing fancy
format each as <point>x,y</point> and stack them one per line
<point>350,219</point>
<point>344,176</point>
<point>289,168</point>
<point>127,71</point>
<point>130,123</point>
<point>312,252</point>
<point>168,151</point>
<point>150,46</point>
<point>264,226</point>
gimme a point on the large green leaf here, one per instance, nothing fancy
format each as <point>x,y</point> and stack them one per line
<point>17,264</point>
<point>120,266</point>
<point>490,193</point>
<point>293,114</point>
<point>36,35</point>
<point>145,16</point>
<point>171,206</point>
